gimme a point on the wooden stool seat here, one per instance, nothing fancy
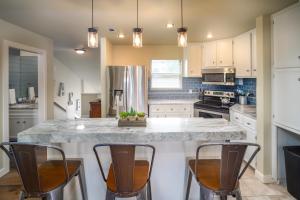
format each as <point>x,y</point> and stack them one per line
<point>140,175</point>
<point>208,173</point>
<point>52,173</point>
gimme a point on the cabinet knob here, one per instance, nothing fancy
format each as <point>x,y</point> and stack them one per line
<point>248,123</point>
<point>298,79</point>
<point>18,122</point>
<point>247,70</point>
<point>220,61</point>
<point>298,57</point>
<point>172,109</point>
<point>24,122</point>
<point>254,70</point>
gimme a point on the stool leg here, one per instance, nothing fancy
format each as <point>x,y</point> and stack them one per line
<point>149,193</point>
<point>188,185</point>
<point>206,194</point>
<point>238,195</point>
<point>142,194</point>
<point>82,182</point>
<point>21,196</point>
<point>109,195</point>
<point>57,194</point>
<point>223,197</point>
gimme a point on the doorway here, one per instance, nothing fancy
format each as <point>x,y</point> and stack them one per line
<point>24,91</point>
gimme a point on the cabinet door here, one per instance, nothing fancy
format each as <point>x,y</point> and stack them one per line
<point>253,53</point>
<point>210,54</point>
<point>242,54</point>
<point>286,40</point>
<point>287,98</point>
<point>224,53</point>
<point>193,60</point>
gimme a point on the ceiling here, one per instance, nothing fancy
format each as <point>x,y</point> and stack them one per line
<point>66,21</point>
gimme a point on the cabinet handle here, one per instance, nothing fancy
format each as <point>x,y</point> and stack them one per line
<point>24,122</point>
<point>18,122</point>
<point>220,61</point>
<point>254,70</point>
<point>171,109</point>
<point>236,118</point>
<point>184,109</point>
<point>247,70</point>
<point>248,123</point>
<point>298,57</point>
<point>157,109</point>
<point>298,79</point>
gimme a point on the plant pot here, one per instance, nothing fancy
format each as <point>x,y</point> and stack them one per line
<point>131,118</point>
<point>141,118</point>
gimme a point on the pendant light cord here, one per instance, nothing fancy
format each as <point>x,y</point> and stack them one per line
<point>137,13</point>
<point>181,14</point>
<point>92,13</point>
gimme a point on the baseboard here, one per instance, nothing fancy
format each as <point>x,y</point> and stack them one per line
<point>264,178</point>
<point>3,171</point>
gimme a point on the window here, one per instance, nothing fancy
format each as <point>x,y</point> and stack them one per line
<point>166,74</point>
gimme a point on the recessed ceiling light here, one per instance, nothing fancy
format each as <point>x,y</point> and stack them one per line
<point>209,36</point>
<point>121,35</point>
<point>80,51</point>
<point>170,25</point>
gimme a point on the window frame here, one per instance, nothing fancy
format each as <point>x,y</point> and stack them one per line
<point>166,74</point>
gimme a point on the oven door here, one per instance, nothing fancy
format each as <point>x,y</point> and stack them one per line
<point>210,114</point>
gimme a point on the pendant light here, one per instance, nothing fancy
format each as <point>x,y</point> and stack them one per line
<point>93,32</point>
<point>182,32</point>
<point>137,36</point>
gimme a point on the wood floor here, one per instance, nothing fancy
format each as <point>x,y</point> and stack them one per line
<point>251,188</point>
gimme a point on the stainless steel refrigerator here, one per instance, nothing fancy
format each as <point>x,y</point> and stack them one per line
<point>128,88</point>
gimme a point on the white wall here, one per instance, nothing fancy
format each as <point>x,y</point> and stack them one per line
<point>72,83</point>
<point>87,67</point>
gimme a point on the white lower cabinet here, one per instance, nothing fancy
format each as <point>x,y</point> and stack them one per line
<point>249,125</point>
<point>171,110</point>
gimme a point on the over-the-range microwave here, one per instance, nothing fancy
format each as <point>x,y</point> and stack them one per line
<point>218,76</point>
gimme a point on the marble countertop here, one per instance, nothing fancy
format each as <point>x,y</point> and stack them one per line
<point>247,110</point>
<point>166,101</point>
<point>23,106</point>
<point>105,130</point>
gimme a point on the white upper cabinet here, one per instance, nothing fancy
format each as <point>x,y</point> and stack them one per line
<point>242,54</point>
<point>286,41</point>
<point>224,53</point>
<point>192,60</point>
<point>210,54</point>
<point>217,53</point>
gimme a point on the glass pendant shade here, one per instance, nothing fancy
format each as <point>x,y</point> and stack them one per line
<point>182,37</point>
<point>93,38</point>
<point>137,38</point>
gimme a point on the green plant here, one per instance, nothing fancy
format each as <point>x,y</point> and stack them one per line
<point>141,114</point>
<point>124,115</point>
<point>132,112</point>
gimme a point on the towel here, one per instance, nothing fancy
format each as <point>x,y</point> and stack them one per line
<point>12,96</point>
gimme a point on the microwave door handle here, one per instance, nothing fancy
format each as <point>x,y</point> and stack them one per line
<point>225,75</point>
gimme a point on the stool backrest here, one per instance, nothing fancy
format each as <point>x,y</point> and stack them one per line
<point>232,157</point>
<point>28,157</point>
<point>123,163</point>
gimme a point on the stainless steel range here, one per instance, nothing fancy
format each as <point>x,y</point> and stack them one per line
<point>214,104</point>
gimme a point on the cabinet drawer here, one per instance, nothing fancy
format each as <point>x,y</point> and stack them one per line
<point>157,108</point>
<point>249,123</point>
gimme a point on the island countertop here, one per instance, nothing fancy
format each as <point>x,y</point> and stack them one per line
<point>106,130</point>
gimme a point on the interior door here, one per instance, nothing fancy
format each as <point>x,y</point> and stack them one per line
<point>210,54</point>
<point>287,98</point>
<point>242,55</point>
<point>224,53</point>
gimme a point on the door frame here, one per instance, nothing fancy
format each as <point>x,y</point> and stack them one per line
<point>42,90</point>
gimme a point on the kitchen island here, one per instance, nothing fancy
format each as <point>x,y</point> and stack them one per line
<point>175,140</point>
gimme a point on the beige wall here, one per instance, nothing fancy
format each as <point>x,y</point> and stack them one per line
<point>264,136</point>
<point>128,55</point>
<point>17,34</point>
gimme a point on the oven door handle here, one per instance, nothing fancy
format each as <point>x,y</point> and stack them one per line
<point>207,111</point>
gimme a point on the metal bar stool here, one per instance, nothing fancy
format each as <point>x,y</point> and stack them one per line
<point>127,177</point>
<point>220,176</point>
<point>42,178</point>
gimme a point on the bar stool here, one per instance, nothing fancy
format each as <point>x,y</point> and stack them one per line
<point>127,177</point>
<point>42,178</point>
<point>220,176</point>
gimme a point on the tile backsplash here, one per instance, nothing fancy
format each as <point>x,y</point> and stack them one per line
<point>191,89</point>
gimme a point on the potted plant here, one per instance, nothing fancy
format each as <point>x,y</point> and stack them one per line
<point>141,116</point>
<point>132,115</point>
<point>123,115</point>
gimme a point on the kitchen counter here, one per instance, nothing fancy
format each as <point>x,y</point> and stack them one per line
<point>173,102</point>
<point>247,110</point>
<point>105,130</point>
<point>175,140</point>
<point>23,106</point>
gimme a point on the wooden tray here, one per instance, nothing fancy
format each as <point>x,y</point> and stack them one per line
<point>136,123</point>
